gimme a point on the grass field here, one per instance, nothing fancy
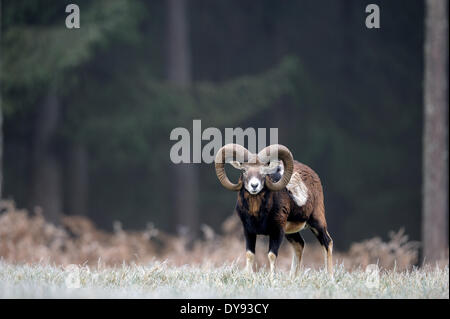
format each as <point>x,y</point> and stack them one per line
<point>159,280</point>
<point>29,245</point>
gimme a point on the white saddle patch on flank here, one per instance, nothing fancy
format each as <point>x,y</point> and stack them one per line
<point>298,189</point>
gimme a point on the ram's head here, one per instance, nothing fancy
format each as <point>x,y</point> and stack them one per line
<point>256,168</point>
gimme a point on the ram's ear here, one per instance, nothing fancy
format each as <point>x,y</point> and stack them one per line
<point>236,164</point>
<point>272,167</point>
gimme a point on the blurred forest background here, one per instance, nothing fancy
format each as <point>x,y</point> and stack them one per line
<point>87,113</point>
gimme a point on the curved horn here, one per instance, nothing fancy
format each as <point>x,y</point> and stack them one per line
<point>227,152</point>
<point>281,152</point>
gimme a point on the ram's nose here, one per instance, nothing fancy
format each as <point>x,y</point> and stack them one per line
<point>255,185</point>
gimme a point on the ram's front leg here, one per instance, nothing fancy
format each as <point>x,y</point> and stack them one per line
<point>275,240</point>
<point>250,241</point>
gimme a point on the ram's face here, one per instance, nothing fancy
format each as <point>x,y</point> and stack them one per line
<point>258,170</point>
<point>254,175</point>
<point>253,179</point>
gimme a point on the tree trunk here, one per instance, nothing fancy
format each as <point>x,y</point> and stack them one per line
<point>47,191</point>
<point>348,45</point>
<point>1,147</point>
<point>435,139</point>
<point>186,176</point>
<point>77,179</point>
<point>179,56</point>
<point>1,110</point>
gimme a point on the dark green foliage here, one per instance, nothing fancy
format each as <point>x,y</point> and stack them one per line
<point>346,100</point>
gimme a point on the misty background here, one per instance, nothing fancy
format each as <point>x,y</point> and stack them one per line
<point>87,113</point>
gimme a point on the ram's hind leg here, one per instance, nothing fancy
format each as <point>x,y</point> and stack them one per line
<point>320,231</point>
<point>298,244</point>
